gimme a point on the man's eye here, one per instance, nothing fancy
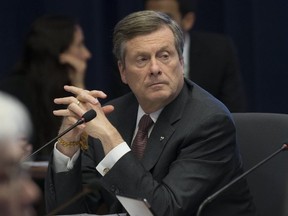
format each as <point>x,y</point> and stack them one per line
<point>141,61</point>
<point>164,57</point>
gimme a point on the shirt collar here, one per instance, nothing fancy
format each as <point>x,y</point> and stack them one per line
<point>154,116</point>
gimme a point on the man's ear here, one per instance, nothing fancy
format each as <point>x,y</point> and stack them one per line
<point>121,68</point>
<point>188,21</point>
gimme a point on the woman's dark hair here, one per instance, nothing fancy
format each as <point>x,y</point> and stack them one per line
<point>48,37</point>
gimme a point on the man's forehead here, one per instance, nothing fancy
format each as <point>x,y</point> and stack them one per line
<point>151,43</point>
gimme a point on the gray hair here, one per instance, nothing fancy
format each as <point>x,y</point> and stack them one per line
<point>15,121</point>
<point>143,23</point>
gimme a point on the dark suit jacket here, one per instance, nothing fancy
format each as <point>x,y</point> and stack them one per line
<point>197,156</point>
<point>214,66</point>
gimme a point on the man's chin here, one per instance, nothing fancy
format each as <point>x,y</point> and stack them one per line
<point>159,96</point>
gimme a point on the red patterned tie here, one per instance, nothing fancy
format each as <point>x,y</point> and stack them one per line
<point>140,140</point>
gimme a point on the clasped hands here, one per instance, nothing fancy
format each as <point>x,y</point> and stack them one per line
<point>99,127</point>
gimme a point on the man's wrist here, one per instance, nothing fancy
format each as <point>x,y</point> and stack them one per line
<point>82,143</point>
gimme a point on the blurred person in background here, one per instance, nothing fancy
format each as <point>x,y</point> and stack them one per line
<point>18,192</point>
<point>54,55</point>
<point>210,59</point>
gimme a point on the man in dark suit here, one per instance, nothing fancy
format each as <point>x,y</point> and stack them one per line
<point>191,149</point>
<point>209,58</point>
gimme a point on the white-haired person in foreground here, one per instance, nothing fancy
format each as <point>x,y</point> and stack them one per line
<point>17,190</point>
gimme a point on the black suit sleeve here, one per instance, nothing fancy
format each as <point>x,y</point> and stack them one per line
<point>62,187</point>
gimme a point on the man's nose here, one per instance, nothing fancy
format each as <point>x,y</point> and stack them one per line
<point>155,68</point>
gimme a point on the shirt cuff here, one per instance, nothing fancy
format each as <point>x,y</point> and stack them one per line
<point>63,163</point>
<point>112,157</point>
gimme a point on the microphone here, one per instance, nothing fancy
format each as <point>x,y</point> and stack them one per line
<point>221,190</point>
<point>88,116</point>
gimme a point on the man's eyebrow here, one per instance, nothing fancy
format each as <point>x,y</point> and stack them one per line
<point>139,53</point>
<point>164,47</point>
<point>145,53</point>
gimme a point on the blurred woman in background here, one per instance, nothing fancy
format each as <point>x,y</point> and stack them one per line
<point>54,55</point>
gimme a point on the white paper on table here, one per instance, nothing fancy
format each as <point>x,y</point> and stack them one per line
<point>135,206</point>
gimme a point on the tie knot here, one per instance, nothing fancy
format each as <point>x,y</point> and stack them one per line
<point>145,123</point>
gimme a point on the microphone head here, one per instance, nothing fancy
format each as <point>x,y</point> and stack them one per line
<point>89,115</point>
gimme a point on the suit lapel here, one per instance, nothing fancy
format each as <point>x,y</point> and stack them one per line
<point>164,128</point>
<point>124,117</point>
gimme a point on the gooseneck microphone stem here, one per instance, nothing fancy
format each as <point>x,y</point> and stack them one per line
<point>88,116</point>
<point>80,121</point>
<point>217,193</point>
